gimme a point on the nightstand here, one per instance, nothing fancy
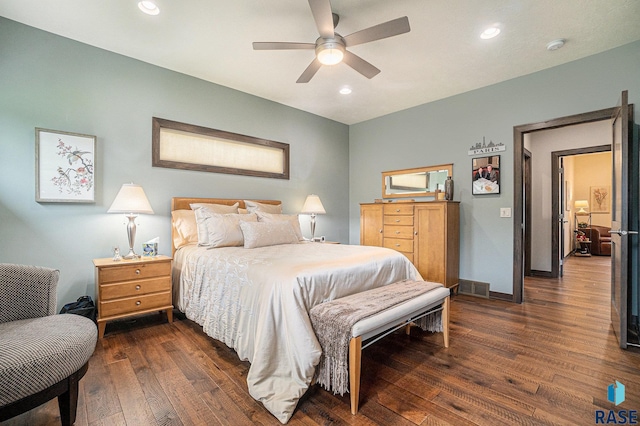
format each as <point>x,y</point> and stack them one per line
<point>132,287</point>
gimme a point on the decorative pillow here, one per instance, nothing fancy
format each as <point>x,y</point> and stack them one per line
<point>217,208</point>
<point>203,232</point>
<point>262,234</point>
<point>243,211</point>
<point>291,218</point>
<point>186,229</point>
<point>254,206</point>
<point>224,229</point>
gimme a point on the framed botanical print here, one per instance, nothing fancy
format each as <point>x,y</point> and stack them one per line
<point>65,167</point>
<point>600,201</point>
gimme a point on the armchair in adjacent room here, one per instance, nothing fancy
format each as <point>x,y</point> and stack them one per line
<point>42,355</point>
<point>600,239</point>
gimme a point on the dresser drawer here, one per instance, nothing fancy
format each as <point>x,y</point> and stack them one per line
<point>404,232</point>
<point>399,244</point>
<point>134,288</point>
<point>131,305</point>
<point>398,209</point>
<point>398,220</point>
<point>135,271</point>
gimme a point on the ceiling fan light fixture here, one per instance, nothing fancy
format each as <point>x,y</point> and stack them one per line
<point>330,52</point>
<point>148,7</point>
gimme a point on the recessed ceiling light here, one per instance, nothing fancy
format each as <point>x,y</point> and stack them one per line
<point>490,32</point>
<point>556,44</point>
<point>345,90</point>
<point>148,7</point>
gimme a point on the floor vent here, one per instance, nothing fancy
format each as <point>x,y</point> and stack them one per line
<point>474,288</point>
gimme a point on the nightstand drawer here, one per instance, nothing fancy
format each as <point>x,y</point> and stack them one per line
<point>134,288</point>
<point>135,271</point>
<point>399,244</point>
<point>398,220</point>
<point>404,232</point>
<point>131,305</point>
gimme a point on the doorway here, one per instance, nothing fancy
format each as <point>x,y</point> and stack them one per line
<point>519,162</point>
<point>563,204</point>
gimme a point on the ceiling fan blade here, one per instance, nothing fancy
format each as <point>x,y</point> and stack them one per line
<point>311,70</point>
<point>360,65</point>
<point>321,10</point>
<point>258,45</point>
<point>377,32</point>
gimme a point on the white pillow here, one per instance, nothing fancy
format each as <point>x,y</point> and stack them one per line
<point>262,234</point>
<point>291,218</point>
<point>217,208</point>
<point>185,228</point>
<point>223,230</point>
<point>203,232</point>
<point>254,206</point>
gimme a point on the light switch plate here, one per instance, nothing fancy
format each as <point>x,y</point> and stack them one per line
<point>505,211</point>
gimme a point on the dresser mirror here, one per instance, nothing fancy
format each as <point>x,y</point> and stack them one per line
<point>418,182</point>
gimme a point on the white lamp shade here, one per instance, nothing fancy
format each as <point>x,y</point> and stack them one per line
<point>131,199</point>
<point>581,205</point>
<point>312,205</point>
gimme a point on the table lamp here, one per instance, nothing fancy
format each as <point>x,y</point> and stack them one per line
<point>131,200</point>
<point>313,206</point>
<point>581,205</point>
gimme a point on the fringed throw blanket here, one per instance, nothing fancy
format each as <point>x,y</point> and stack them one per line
<point>332,323</point>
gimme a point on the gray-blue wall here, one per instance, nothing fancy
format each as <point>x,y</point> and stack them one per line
<point>55,83</point>
<point>442,132</point>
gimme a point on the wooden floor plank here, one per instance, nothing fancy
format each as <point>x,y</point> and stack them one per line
<point>134,405</point>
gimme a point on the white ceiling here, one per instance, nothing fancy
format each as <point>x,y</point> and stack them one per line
<point>441,56</point>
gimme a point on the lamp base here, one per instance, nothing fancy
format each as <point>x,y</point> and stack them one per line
<point>131,255</point>
<point>131,235</point>
<point>313,226</point>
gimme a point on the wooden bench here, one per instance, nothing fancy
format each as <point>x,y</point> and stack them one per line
<point>385,321</point>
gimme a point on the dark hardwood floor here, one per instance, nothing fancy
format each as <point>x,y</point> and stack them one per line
<point>546,361</point>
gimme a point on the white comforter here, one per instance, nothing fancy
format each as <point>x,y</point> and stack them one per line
<point>257,302</point>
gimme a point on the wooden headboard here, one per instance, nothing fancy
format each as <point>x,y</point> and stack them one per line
<point>184,203</point>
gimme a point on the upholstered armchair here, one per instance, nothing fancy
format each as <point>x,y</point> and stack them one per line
<point>42,355</point>
<point>600,240</point>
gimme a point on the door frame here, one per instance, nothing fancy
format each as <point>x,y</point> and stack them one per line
<point>518,172</point>
<point>555,198</point>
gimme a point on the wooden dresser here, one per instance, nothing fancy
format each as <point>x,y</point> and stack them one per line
<point>132,287</point>
<point>428,233</point>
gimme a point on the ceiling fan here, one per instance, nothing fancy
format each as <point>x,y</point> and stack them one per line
<point>331,47</point>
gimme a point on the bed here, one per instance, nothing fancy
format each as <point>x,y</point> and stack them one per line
<point>256,300</point>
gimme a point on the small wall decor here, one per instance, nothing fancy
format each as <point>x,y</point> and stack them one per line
<point>485,175</point>
<point>65,170</point>
<point>600,200</point>
<point>486,148</point>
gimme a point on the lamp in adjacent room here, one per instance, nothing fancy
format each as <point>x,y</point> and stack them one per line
<point>313,206</point>
<point>581,205</point>
<point>132,201</point>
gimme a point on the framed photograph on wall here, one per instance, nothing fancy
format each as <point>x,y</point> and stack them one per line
<point>485,175</point>
<point>65,170</point>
